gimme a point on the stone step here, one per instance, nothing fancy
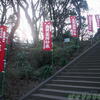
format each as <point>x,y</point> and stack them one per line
<point>81,74</point>
<point>85,70</point>
<point>83,67</point>
<point>73,88</point>
<point>76,82</point>
<point>88,64</point>
<point>65,93</point>
<point>82,78</point>
<point>49,97</point>
<point>89,61</point>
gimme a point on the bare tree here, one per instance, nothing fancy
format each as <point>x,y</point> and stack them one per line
<point>36,15</point>
<point>4,4</point>
<point>6,15</point>
<point>16,16</point>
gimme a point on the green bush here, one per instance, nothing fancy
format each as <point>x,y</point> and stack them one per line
<point>25,62</point>
<point>35,58</point>
<point>25,70</point>
<point>38,58</point>
<point>62,55</point>
<point>20,66</point>
<point>44,72</point>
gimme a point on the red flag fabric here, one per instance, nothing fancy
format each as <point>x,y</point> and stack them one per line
<point>73,26</point>
<point>90,23</point>
<point>47,34</point>
<point>3,30</point>
<point>97,17</point>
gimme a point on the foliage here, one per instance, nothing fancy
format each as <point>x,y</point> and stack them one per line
<point>79,5</point>
<point>59,12</point>
<point>38,58</point>
<point>67,34</point>
<point>44,72</point>
<point>26,62</point>
<point>62,55</point>
<point>20,65</point>
<point>83,96</point>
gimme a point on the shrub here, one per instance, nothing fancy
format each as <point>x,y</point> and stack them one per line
<point>61,57</point>
<point>20,66</point>
<point>38,58</point>
<point>25,61</point>
<point>44,72</point>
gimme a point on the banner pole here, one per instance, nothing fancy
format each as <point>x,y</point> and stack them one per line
<point>52,45</point>
<point>51,19</point>
<point>4,75</point>
<point>52,55</point>
<point>3,83</point>
<point>3,37</point>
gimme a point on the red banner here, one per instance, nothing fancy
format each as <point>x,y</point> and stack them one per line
<point>73,26</point>
<point>97,17</point>
<point>47,34</point>
<point>90,23</point>
<point>3,35</point>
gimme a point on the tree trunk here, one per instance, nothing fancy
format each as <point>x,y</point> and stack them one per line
<point>14,28</point>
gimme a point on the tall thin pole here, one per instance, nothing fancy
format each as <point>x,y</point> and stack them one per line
<point>50,3</point>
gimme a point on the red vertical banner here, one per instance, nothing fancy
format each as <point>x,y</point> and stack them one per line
<point>3,34</point>
<point>47,36</point>
<point>97,17</point>
<point>73,26</point>
<point>90,23</point>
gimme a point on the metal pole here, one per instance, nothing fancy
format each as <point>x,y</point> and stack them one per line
<point>3,79</point>
<point>50,2</point>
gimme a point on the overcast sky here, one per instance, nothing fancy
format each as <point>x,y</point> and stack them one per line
<point>94,6</point>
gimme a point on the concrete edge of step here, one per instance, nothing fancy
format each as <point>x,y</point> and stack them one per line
<point>44,82</point>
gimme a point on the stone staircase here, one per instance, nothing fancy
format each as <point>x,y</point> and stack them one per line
<point>81,78</point>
